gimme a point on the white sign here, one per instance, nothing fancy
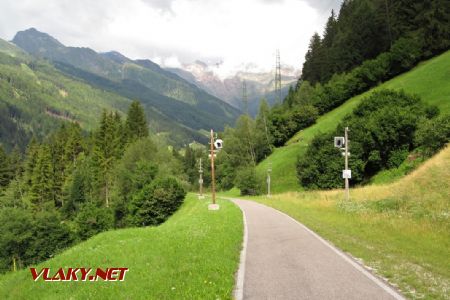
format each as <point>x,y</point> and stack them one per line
<point>339,141</point>
<point>347,174</point>
<point>218,144</point>
<point>200,181</point>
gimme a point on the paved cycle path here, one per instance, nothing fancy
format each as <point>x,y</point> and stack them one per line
<point>282,259</point>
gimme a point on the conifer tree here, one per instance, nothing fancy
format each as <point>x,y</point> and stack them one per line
<point>74,144</point>
<point>136,123</point>
<point>30,161</point>
<point>108,148</point>
<point>5,169</point>
<point>42,187</point>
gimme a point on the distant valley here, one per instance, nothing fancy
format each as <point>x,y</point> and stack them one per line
<point>259,85</point>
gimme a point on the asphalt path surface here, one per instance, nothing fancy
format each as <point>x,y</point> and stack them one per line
<point>282,259</point>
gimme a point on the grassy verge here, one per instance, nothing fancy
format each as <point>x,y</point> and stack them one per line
<point>194,255</point>
<point>429,80</point>
<point>401,229</point>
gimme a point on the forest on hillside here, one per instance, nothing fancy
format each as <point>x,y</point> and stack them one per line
<point>73,185</point>
<point>367,43</point>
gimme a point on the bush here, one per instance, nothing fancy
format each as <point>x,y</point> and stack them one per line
<point>93,219</point>
<point>382,130</point>
<point>50,235</point>
<point>248,182</point>
<point>156,202</point>
<point>405,53</point>
<point>433,134</point>
<point>15,238</point>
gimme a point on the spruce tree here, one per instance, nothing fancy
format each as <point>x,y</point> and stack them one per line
<point>74,144</point>
<point>5,169</point>
<point>108,147</point>
<point>30,161</point>
<point>136,122</point>
<point>43,183</point>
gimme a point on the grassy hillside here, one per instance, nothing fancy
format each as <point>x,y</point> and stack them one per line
<point>194,255</point>
<point>429,80</point>
<point>35,99</point>
<point>144,80</point>
<point>401,230</point>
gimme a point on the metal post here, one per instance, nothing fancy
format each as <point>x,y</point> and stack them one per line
<point>269,170</point>
<point>213,180</point>
<point>347,191</point>
<point>200,180</point>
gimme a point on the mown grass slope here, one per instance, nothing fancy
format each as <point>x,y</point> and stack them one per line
<point>429,80</point>
<point>194,255</point>
<point>401,230</point>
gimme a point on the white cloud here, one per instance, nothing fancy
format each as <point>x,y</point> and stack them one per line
<point>237,32</point>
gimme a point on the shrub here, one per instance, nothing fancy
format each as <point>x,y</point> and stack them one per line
<point>50,235</point>
<point>382,130</point>
<point>248,182</point>
<point>156,202</point>
<point>93,219</point>
<point>433,134</point>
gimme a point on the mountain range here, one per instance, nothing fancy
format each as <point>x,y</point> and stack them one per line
<point>259,84</point>
<point>175,107</point>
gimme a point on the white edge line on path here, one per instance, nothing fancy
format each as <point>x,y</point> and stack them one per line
<point>239,288</point>
<point>381,284</point>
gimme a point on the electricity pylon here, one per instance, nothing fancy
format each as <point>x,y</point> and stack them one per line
<point>278,78</point>
<point>244,96</point>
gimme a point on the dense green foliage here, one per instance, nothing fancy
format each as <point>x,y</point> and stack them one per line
<point>433,134</point>
<point>248,182</point>
<point>156,202</point>
<point>364,29</point>
<point>382,132</point>
<point>244,146</point>
<point>72,186</point>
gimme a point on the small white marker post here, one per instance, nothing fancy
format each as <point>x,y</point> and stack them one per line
<point>269,170</point>
<point>200,180</point>
<point>348,174</point>
<point>340,141</point>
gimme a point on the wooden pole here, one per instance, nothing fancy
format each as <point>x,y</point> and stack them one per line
<point>347,191</point>
<point>213,180</point>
